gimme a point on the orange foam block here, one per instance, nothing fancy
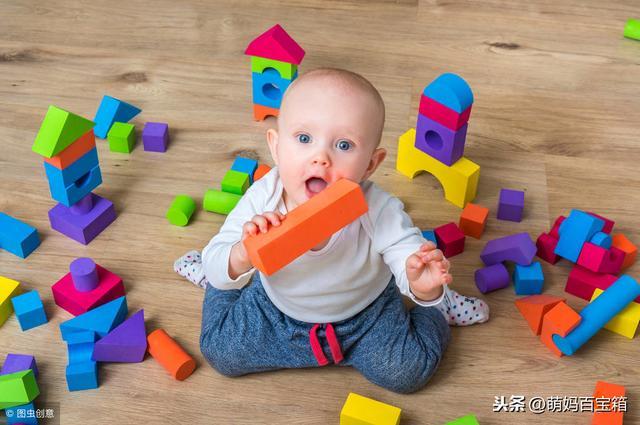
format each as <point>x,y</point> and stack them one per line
<point>621,242</point>
<point>260,112</point>
<point>534,307</point>
<point>306,226</point>
<point>68,156</point>
<point>560,320</point>
<point>170,355</point>
<point>473,219</point>
<point>260,172</point>
<point>608,391</point>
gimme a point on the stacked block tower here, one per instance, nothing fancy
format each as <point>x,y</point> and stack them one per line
<point>275,57</point>
<point>68,145</point>
<point>437,143</point>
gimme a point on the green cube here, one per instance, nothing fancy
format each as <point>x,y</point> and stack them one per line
<point>285,69</point>
<point>121,137</point>
<point>235,182</point>
<point>18,388</point>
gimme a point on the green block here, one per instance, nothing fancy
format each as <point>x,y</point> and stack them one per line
<point>465,420</point>
<point>121,137</point>
<point>18,388</point>
<point>58,130</point>
<point>220,202</point>
<point>286,70</point>
<point>632,29</point>
<point>235,182</point>
<point>181,210</point>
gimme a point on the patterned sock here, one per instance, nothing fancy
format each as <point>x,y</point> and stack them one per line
<point>460,310</point>
<point>189,266</point>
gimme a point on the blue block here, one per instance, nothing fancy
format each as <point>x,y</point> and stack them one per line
<point>29,310</point>
<point>110,111</point>
<point>101,319</point>
<point>451,90</point>
<point>430,235</point>
<point>76,181</point>
<point>24,414</point>
<point>245,165</point>
<point>82,376</point>
<point>269,86</point>
<point>17,237</point>
<point>602,239</point>
<point>574,231</point>
<point>80,346</point>
<point>528,280</point>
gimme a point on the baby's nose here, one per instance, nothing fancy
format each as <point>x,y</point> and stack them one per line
<point>321,159</point>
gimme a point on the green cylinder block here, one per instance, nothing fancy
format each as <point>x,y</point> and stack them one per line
<point>220,202</point>
<point>632,29</point>
<point>181,210</point>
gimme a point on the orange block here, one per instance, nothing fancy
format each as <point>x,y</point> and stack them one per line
<point>84,144</point>
<point>621,242</point>
<point>170,355</point>
<point>306,226</point>
<point>534,307</point>
<point>561,320</point>
<point>261,112</point>
<point>608,391</point>
<point>260,172</point>
<point>473,220</point>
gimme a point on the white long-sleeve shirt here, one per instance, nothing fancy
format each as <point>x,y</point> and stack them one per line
<point>337,281</point>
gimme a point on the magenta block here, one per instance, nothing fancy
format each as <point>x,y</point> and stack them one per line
<point>608,224</point>
<point>155,136</point>
<point>443,114</point>
<point>555,229</point>
<point>440,142</point>
<point>127,343</point>
<point>601,260</point>
<point>510,205</point>
<point>546,245</point>
<point>84,274</point>
<point>18,363</point>
<point>492,278</point>
<point>518,248</point>
<point>83,227</point>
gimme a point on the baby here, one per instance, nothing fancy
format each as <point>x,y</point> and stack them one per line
<point>339,302</point>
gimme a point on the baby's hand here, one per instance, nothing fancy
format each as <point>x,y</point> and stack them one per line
<point>239,259</point>
<point>427,271</point>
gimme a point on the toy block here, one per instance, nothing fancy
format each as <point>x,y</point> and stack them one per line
<point>511,205</point>
<point>261,112</point>
<point>102,319</point>
<point>245,165</point>
<point>235,182</point>
<point>155,136</point>
<point>220,202</point>
<point>75,182</point>
<point>82,376</point>
<point>9,288</point>
<point>583,282</point>
<point>621,242</point>
<point>607,401</point>
<point>555,229</point>
<point>260,172</point>
<point>80,346</point>
<point>170,355</point>
<point>601,260</point>
<point>546,246</point>
<point>601,239</point>
<point>559,320</point>
<point>439,142</point>
<point>450,90</point>
<point>465,420</point>
<point>286,70</point>
<point>360,410</point>
<point>632,29</point>
<point>73,152</point>
<point>127,343</point>
<point>534,307</point>
<point>443,115</point>
<point>608,224</point>
<point>58,130</point>
<point>577,229</point>
<point>492,278</point>
<point>21,415</point>
<point>269,87</point>
<point>19,362</point>
<point>122,137</point>
<point>459,181</point>
<point>276,44</point>
<point>18,388</point>
<point>598,313</point>
<point>84,274</point>
<point>528,280</point>
<point>110,111</point>
<point>81,226</point>
<point>181,210</point>
<point>473,220</point>
<point>430,235</point>
<point>306,226</point>
<point>17,237</point>
<point>518,248</point>
<point>29,310</point>
<point>450,239</point>
<point>624,323</point>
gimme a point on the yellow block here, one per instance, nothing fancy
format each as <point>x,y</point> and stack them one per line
<point>9,288</point>
<point>459,181</point>
<point>624,323</point>
<point>359,410</point>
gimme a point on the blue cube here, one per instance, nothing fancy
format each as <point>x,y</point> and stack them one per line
<point>245,165</point>
<point>82,376</point>
<point>29,310</point>
<point>528,280</point>
<point>430,235</point>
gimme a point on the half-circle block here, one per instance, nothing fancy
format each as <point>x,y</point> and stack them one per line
<point>534,307</point>
<point>560,320</point>
<point>275,43</point>
<point>518,248</point>
<point>624,323</point>
<point>452,91</point>
<point>261,112</point>
<point>459,181</point>
<point>58,130</point>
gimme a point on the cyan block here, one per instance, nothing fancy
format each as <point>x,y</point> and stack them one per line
<point>80,346</point>
<point>24,414</point>
<point>82,376</point>
<point>268,87</point>
<point>101,319</point>
<point>602,240</point>
<point>430,235</point>
<point>529,279</point>
<point>245,165</point>
<point>76,181</point>
<point>451,90</point>
<point>29,310</point>
<point>110,111</point>
<point>574,231</point>
<point>17,237</point>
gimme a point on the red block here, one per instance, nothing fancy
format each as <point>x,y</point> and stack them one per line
<point>583,283</point>
<point>608,224</point>
<point>601,260</point>
<point>443,114</point>
<point>554,233</point>
<point>546,246</point>
<point>450,239</point>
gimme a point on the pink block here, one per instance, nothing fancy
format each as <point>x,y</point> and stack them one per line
<point>442,114</point>
<point>601,260</point>
<point>276,44</point>
<point>75,302</point>
<point>546,245</point>
<point>608,224</point>
<point>554,233</point>
<point>583,283</point>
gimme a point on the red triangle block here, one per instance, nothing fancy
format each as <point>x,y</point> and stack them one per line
<point>127,343</point>
<point>534,307</point>
<point>276,44</point>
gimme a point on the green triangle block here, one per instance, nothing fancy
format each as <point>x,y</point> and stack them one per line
<point>18,388</point>
<point>101,319</point>
<point>59,129</point>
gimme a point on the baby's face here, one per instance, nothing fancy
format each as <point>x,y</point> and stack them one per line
<point>326,131</point>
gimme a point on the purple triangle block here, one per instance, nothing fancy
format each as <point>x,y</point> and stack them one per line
<point>126,344</point>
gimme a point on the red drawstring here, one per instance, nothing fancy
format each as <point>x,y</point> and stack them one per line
<point>334,345</point>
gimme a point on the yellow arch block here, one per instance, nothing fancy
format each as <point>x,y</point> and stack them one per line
<point>459,181</point>
<point>624,323</point>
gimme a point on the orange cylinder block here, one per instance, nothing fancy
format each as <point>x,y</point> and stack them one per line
<point>170,355</point>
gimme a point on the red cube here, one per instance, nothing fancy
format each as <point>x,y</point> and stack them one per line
<point>450,239</point>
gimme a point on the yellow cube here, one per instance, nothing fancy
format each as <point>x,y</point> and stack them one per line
<point>9,288</point>
<point>359,410</point>
<point>626,322</point>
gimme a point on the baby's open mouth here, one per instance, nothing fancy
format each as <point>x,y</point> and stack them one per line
<point>315,185</point>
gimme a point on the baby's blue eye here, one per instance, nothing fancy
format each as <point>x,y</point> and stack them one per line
<point>304,138</point>
<point>343,145</point>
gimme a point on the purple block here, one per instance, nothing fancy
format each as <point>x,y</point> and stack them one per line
<point>511,205</point>
<point>440,142</point>
<point>18,363</point>
<point>492,278</point>
<point>155,136</point>
<point>83,227</point>
<point>518,248</point>
<point>84,274</point>
<point>126,343</point>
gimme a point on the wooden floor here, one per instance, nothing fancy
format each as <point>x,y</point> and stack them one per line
<point>556,114</point>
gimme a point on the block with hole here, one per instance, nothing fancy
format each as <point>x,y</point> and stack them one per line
<point>85,219</point>
<point>112,110</point>
<point>269,87</point>
<point>261,112</point>
<point>59,130</point>
<point>181,210</point>
<point>285,69</point>
<point>70,185</point>
<point>511,205</point>
<point>29,310</point>
<point>122,137</point>
<point>17,237</point>
<point>440,142</point>
<point>473,220</point>
<point>450,239</point>
<point>236,182</point>
<point>155,136</point>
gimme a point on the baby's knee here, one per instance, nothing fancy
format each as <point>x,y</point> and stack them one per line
<point>407,376</point>
<point>218,355</point>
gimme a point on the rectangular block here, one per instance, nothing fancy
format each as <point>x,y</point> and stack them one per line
<point>518,248</point>
<point>74,151</point>
<point>235,182</point>
<point>76,181</point>
<point>17,237</point>
<point>18,388</point>
<point>601,260</point>
<point>18,363</point>
<point>473,219</point>
<point>121,137</point>
<point>450,239</point>
<point>440,142</point>
<point>9,288</point>
<point>577,229</point>
<point>359,410</point>
<point>511,205</point>
<point>83,227</point>
<point>528,280</point>
<point>442,114</point>
<point>155,136</point>
<point>285,69</point>
<point>624,323</point>
<point>245,165</point>
<point>582,282</point>
<point>29,310</point>
<point>82,376</point>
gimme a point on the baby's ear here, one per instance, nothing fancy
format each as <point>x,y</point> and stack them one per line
<point>272,141</point>
<point>376,159</point>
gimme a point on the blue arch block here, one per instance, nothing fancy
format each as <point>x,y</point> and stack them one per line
<point>451,90</point>
<point>268,87</point>
<point>76,181</point>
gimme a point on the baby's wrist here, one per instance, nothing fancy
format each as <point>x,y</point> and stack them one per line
<point>431,295</point>
<point>238,263</point>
